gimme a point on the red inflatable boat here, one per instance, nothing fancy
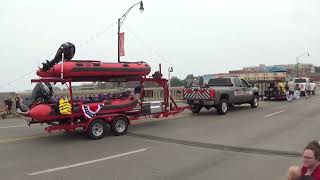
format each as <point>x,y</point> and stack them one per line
<point>44,113</point>
<point>82,68</point>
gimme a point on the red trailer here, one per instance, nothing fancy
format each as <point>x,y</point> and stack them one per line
<point>93,122</point>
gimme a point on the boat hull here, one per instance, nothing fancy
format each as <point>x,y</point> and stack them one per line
<point>87,69</point>
<point>44,113</point>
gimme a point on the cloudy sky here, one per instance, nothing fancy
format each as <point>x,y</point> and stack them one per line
<point>198,37</point>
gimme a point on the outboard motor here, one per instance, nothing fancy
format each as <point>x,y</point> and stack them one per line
<point>42,93</point>
<point>67,48</point>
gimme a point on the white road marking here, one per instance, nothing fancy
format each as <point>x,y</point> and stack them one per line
<point>5,127</point>
<point>85,163</point>
<point>275,113</point>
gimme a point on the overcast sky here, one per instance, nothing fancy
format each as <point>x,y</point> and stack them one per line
<point>198,37</point>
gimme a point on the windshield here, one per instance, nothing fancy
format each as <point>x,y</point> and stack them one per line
<point>220,82</point>
<point>300,80</point>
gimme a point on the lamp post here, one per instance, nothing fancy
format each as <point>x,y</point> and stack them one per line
<point>170,70</point>
<point>297,58</point>
<point>120,22</point>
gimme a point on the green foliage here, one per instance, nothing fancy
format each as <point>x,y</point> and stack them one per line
<point>174,81</point>
<point>190,77</point>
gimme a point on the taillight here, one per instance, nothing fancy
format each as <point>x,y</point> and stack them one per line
<point>212,93</point>
<point>301,86</point>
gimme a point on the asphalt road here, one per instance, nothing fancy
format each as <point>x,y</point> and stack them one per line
<point>246,143</point>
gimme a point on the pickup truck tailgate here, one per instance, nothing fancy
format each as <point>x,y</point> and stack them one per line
<point>197,93</point>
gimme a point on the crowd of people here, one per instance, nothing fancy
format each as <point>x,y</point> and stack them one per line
<point>292,90</point>
<point>8,104</point>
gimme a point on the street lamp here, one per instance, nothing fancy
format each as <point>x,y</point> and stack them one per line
<point>120,22</point>
<point>170,70</point>
<point>297,58</point>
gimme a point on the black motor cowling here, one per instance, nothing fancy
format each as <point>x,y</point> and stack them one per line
<point>67,48</point>
<point>42,92</point>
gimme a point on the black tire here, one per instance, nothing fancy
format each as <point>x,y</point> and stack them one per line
<point>119,126</point>
<point>302,93</point>
<point>255,101</point>
<point>96,129</point>
<point>222,107</point>
<point>196,109</point>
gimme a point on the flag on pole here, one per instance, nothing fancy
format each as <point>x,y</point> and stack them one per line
<point>122,44</point>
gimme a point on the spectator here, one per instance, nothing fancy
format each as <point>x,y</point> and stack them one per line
<point>311,160</point>
<point>3,112</point>
<point>294,173</point>
<point>291,90</point>
<point>137,92</point>
<point>308,89</point>
<point>8,105</point>
<point>17,100</point>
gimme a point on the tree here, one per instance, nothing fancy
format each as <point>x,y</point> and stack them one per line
<point>189,77</point>
<point>188,81</point>
<point>317,69</point>
<point>174,81</point>
<point>201,81</point>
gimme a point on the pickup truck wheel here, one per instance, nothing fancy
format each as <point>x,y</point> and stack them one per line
<point>96,129</point>
<point>119,126</point>
<point>255,102</point>
<point>222,107</point>
<point>196,108</point>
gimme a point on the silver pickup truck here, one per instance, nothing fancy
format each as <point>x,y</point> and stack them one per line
<point>221,93</point>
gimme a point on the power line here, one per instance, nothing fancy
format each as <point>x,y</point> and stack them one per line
<point>152,49</point>
<point>97,35</point>
<point>17,79</point>
<point>147,45</point>
<point>82,44</point>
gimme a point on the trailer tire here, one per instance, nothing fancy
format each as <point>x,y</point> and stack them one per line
<point>222,107</point>
<point>196,109</point>
<point>96,129</point>
<point>119,126</point>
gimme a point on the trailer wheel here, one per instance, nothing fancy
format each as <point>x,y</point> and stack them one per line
<point>196,109</point>
<point>222,107</point>
<point>255,101</point>
<point>119,126</point>
<point>96,129</point>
